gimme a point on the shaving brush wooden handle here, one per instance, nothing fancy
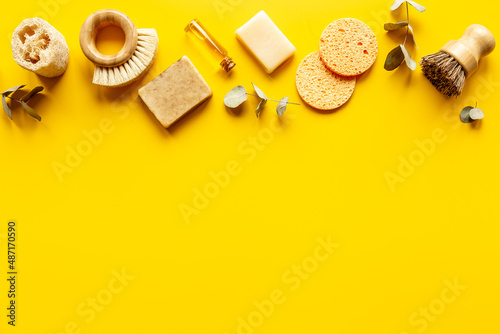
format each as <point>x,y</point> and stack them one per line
<point>90,29</point>
<point>476,42</point>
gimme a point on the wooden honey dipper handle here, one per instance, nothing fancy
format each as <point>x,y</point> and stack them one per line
<point>476,42</point>
<point>91,27</point>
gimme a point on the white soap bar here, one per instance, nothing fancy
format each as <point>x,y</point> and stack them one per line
<point>266,42</point>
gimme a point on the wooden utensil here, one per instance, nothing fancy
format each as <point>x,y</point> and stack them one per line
<point>448,69</point>
<point>95,23</point>
<point>127,65</point>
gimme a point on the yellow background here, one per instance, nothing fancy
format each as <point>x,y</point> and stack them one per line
<point>321,175</point>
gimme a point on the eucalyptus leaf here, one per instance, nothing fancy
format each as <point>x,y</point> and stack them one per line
<point>261,105</point>
<point>259,92</point>
<point>413,35</point>
<point>33,92</point>
<point>281,108</point>
<point>235,97</point>
<point>395,26</point>
<point>30,111</point>
<point>394,59</point>
<point>464,115</point>
<point>6,107</point>
<point>12,90</point>
<point>412,65</point>
<point>398,3</point>
<point>476,114</point>
<point>415,5</point>
<point>471,114</point>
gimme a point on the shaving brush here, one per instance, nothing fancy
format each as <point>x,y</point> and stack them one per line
<point>448,69</point>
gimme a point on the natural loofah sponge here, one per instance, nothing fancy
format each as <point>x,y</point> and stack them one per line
<point>39,47</point>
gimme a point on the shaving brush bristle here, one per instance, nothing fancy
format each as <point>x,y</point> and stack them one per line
<point>444,72</point>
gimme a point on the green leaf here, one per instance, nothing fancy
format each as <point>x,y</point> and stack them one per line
<point>394,59</point>
<point>395,26</point>
<point>259,92</point>
<point>412,65</point>
<point>30,111</point>
<point>471,114</point>
<point>280,109</point>
<point>6,107</point>
<point>261,105</point>
<point>12,90</point>
<point>33,92</point>
<point>464,115</point>
<point>235,97</point>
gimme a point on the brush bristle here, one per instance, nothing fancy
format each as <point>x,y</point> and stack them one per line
<point>140,62</point>
<point>444,72</point>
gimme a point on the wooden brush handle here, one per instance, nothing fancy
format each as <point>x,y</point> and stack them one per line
<point>91,27</point>
<point>476,42</point>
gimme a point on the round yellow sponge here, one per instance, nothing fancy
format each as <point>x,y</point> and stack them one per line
<point>348,47</point>
<point>321,88</point>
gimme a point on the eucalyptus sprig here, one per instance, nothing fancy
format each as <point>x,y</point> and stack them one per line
<point>22,101</point>
<point>471,114</point>
<point>399,53</point>
<point>236,96</point>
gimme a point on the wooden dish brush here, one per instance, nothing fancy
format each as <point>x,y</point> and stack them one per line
<point>134,59</point>
<point>448,69</point>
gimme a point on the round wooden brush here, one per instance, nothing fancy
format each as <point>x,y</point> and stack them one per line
<point>133,60</point>
<point>448,69</point>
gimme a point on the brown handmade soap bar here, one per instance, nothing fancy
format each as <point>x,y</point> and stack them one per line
<point>175,92</point>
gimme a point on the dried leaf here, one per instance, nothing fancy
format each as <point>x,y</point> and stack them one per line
<point>263,100</point>
<point>395,26</point>
<point>261,105</point>
<point>470,114</point>
<point>6,107</point>
<point>413,35</point>
<point>235,97</point>
<point>259,92</point>
<point>394,59</point>
<point>476,114</point>
<point>30,111</point>
<point>9,91</point>
<point>418,7</point>
<point>12,90</point>
<point>33,92</point>
<point>412,65</point>
<point>398,3</point>
<point>281,108</point>
<point>464,115</point>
